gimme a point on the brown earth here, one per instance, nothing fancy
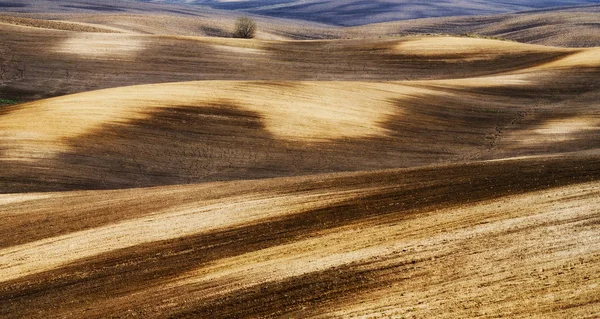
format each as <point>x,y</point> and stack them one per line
<point>565,26</point>
<point>515,238</point>
<point>576,27</point>
<point>70,62</point>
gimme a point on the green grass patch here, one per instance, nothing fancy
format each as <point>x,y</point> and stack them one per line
<point>8,102</point>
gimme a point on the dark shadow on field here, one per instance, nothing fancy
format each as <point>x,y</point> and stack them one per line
<point>46,72</point>
<point>216,32</point>
<point>5,109</point>
<point>222,141</point>
<point>241,5</point>
<point>563,127</point>
<point>181,145</point>
<point>194,144</point>
<point>403,194</point>
<point>364,60</point>
<point>43,72</point>
<point>13,5</point>
<point>360,12</point>
<point>101,8</point>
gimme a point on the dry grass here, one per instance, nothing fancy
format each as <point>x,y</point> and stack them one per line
<point>54,25</point>
<point>367,244</point>
<point>85,61</point>
<point>201,131</point>
<point>567,27</point>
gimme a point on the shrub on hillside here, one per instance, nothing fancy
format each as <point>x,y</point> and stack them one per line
<point>245,28</point>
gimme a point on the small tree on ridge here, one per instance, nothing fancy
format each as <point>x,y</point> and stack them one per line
<point>245,28</point>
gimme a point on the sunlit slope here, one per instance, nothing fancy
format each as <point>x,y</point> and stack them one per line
<point>53,62</point>
<point>345,12</point>
<point>565,26</point>
<point>210,23</point>
<point>504,234</point>
<point>193,132</point>
<point>357,12</point>
<point>568,27</point>
<point>220,130</point>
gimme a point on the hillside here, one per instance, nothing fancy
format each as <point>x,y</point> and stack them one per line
<point>575,27</point>
<point>356,12</point>
<point>143,136</point>
<point>148,18</point>
<point>320,246</point>
<point>570,26</point>
<point>87,61</point>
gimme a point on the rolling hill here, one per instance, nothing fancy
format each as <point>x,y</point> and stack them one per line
<point>82,61</point>
<point>345,12</point>
<point>359,12</point>
<point>574,27</point>
<point>495,238</point>
<point>222,130</point>
<point>564,26</point>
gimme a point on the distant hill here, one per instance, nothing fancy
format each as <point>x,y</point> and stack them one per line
<point>359,12</point>
<point>330,12</point>
<point>570,26</point>
<point>566,27</point>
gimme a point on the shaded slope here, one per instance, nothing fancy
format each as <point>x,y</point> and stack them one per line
<point>165,19</point>
<point>310,246</point>
<point>345,12</point>
<point>575,26</point>
<point>564,27</point>
<point>97,6</point>
<point>201,131</point>
<point>358,12</point>
<point>208,131</point>
<point>49,24</point>
<point>209,23</point>
<point>68,62</point>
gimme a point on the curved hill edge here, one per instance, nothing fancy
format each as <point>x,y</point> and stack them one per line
<point>367,218</point>
<point>199,131</point>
